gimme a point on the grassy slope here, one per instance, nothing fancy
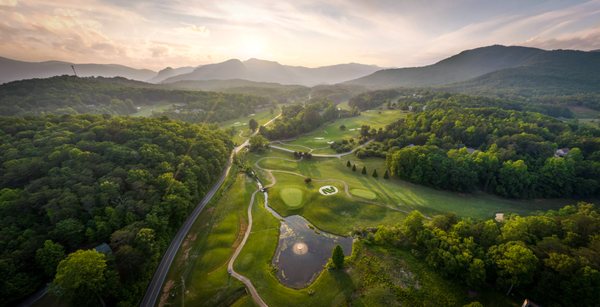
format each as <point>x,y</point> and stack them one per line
<point>332,132</point>
<point>241,124</point>
<point>405,195</point>
<point>219,228</point>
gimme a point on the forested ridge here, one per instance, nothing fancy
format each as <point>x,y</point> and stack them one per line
<point>73,182</point>
<point>552,258</point>
<point>464,143</point>
<point>119,96</point>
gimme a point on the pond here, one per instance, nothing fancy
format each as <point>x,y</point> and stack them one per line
<point>303,251</point>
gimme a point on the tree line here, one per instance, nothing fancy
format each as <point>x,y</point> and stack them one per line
<point>507,152</point>
<point>119,96</point>
<point>75,182</point>
<point>552,258</point>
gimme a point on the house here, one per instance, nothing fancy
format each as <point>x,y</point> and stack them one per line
<point>499,217</point>
<point>561,152</point>
<point>104,248</point>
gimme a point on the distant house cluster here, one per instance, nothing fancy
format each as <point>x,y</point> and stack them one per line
<point>561,152</point>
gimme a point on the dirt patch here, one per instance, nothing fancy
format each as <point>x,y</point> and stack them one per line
<point>186,246</point>
<point>165,293</point>
<point>240,236</point>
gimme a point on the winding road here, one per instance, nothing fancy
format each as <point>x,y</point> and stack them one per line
<point>255,296</point>
<point>155,286</point>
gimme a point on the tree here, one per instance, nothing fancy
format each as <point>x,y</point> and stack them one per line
<point>348,164</point>
<point>252,124</point>
<point>258,143</point>
<point>48,256</point>
<point>364,170</point>
<point>337,258</point>
<point>375,173</point>
<point>515,262</point>
<point>343,127</point>
<point>307,180</point>
<point>386,175</point>
<point>81,277</point>
<point>354,167</point>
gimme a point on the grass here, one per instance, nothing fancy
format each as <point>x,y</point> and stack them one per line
<point>200,266</point>
<point>363,193</point>
<point>147,110</point>
<point>335,213</point>
<point>241,124</point>
<point>318,138</point>
<point>401,194</point>
<point>291,196</point>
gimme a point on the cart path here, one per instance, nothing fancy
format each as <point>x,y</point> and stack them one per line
<point>255,296</point>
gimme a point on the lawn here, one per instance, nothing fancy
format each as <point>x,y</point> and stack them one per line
<point>335,213</point>
<point>401,194</point>
<point>147,110</point>
<point>317,139</point>
<point>241,124</point>
<point>200,267</point>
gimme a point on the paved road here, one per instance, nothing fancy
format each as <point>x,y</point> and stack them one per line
<point>255,296</point>
<point>155,287</point>
<point>325,155</point>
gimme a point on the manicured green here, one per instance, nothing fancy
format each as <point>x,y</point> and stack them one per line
<point>401,194</point>
<point>240,127</point>
<point>292,197</point>
<point>363,193</point>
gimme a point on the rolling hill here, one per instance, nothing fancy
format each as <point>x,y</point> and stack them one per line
<point>463,66</point>
<point>12,70</point>
<point>557,73</point>
<point>268,71</point>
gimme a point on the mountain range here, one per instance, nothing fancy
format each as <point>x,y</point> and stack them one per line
<point>252,70</point>
<point>12,70</point>
<point>268,71</point>
<point>498,68</point>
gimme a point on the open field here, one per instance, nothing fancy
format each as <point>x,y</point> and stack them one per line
<point>317,139</point>
<point>397,193</point>
<point>241,124</point>
<point>146,110</point>
<point>201,264</point>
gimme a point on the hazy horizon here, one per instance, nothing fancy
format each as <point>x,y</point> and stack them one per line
<point>155,35</point>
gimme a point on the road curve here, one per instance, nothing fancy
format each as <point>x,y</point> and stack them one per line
<point>155,286</point>
<point>255,296</point>
<point>324,155</point>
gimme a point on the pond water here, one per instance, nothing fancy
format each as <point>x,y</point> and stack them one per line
<point>303,251</point>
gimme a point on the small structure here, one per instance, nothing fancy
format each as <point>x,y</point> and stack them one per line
<point>499,217</point>
<point>104,248</point>
<point>470,150</point>
<point>561,152</point>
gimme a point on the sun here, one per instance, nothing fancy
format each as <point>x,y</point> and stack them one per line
<point>252,47</point>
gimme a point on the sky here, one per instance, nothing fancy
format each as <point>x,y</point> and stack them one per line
<point>390,33</point>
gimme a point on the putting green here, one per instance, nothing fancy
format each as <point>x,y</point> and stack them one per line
<point>363,193</point>
<point>292,197</point>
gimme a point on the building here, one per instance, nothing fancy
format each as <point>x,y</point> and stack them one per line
<point>561,152</point>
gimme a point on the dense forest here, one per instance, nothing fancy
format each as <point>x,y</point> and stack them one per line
<point>464,143</point>
<point>552,258</point>
<point>118,96</point>
<point>74,182</point>
<point>297,119</point>
<point>507,152</point>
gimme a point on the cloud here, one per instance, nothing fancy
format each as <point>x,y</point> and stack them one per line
<point>154,34</point>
